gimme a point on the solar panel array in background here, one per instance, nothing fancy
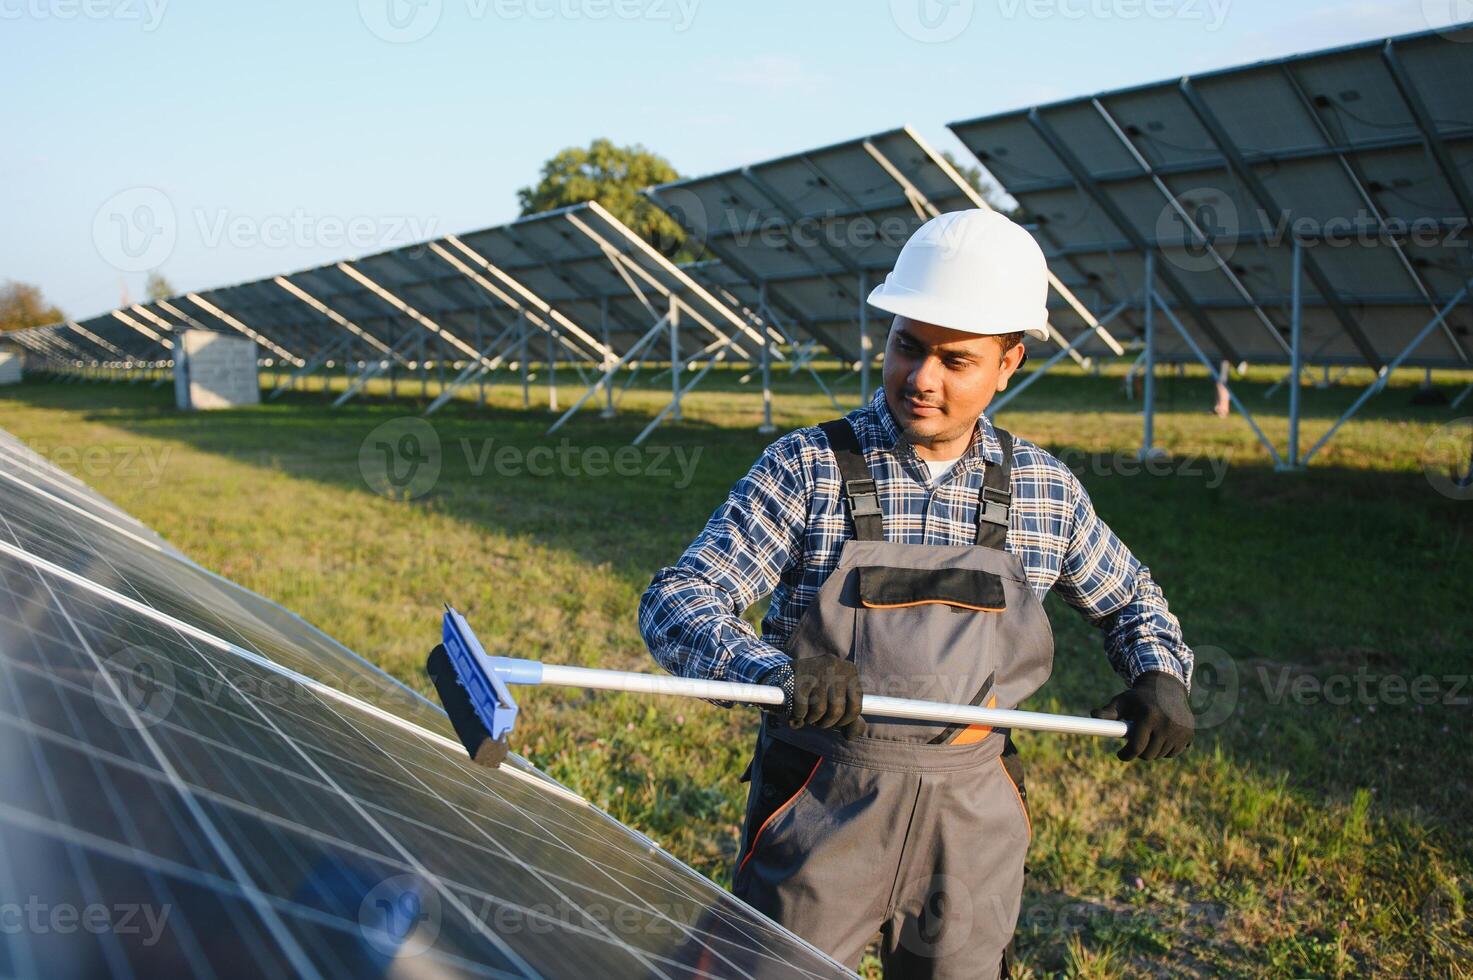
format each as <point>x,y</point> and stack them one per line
<point>1325,145</point>
<point>810,233</point>
<point>556,260</point>
<point>199,783</point>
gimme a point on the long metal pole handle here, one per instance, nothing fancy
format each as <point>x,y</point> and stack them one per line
<point>517,671</point>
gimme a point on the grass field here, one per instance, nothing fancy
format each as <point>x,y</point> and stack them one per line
<point>1319,826</point>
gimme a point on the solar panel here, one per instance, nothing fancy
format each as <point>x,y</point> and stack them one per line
<point>577,281</point>
<point>804,237</point>
<point>590,264</point>
<point>50,343</point>
<point>586,261</point>
<point>199,783</point>
<point>1362,152</point>
<point>120,338</point>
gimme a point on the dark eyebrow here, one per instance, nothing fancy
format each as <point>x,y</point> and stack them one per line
<point>903,334</point>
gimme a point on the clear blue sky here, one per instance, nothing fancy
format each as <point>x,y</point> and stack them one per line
<point>277,135</point>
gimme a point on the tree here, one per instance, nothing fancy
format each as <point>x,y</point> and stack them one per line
<point>21,306</point>
<point>990,192</point>
<point>158,287</point>
<point>613,176</point>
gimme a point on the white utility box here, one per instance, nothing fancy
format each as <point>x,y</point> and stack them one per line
<point>9,368</point>
<point>214,370</point>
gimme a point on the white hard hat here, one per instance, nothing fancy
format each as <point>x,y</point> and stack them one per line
<point>976,271</point>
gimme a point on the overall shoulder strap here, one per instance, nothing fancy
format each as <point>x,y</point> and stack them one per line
<point>860,496</point>
<point>995,498</point>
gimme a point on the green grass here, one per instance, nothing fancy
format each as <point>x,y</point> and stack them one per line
<point>1297,838</point>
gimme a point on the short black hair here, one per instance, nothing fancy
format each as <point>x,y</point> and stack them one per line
<point>1010,340</point>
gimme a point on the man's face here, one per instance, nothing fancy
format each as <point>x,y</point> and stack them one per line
<point>938,380</point>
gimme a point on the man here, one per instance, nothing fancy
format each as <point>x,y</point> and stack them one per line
<point>907,548</point>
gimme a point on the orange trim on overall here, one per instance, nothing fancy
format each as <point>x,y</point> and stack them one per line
<point>928,602</point>
<point>973,734</point>
<point>775,814</point>
<point>1021,805</point>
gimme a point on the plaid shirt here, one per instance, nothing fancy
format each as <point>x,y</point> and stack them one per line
<point>783,525</point>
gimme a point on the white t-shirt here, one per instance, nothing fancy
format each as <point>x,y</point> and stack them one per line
<point>939,468</point>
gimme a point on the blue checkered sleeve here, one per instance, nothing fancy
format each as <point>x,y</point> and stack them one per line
<point>1116,593</point>
<point>782,529</point>
<point>691,614</point>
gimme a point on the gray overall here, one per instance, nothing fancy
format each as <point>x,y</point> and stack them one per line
<point>913,830</point>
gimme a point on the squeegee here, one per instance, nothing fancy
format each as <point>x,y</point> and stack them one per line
<point>488,681</point>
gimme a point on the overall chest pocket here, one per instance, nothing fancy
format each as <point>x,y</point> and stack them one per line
<point>885,587</point>
<point>927,633</point>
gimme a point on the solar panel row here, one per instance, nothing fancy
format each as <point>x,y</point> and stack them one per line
<point>199,782</point>
<point>578,275</point>
<point>1361,153</point>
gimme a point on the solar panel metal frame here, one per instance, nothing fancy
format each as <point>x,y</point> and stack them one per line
<point>874,190</point>
<point>1115,174</point>
<point>425,299</point>
<point>592,263</point>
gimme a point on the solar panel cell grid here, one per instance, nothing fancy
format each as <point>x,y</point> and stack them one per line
<point>162,765</point>
<point>1357,152</point>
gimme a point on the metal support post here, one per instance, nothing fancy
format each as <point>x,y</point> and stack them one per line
<point>480,375</point>
<point>603,312</point>
<point>720,355</point>
<point>766,427</point>
<point>1148,383</point>
<point>551,368</point>
<point>674,321</point>
<point>607,378</point>
<point>522,358</point>
<point>1384,377</point>
<point>481,365</point>
<point>1296,354</point>
<point>1203,359</point>
<point>1066,351</point>
<point>370,372</point>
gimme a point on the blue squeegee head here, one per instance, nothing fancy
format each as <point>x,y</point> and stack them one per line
<point>489,695</point>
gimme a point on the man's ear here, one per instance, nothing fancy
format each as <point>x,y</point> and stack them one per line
<point>1012,359</point>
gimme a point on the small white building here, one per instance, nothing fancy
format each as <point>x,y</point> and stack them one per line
<point>214,370</point>
<point>10,365</point>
